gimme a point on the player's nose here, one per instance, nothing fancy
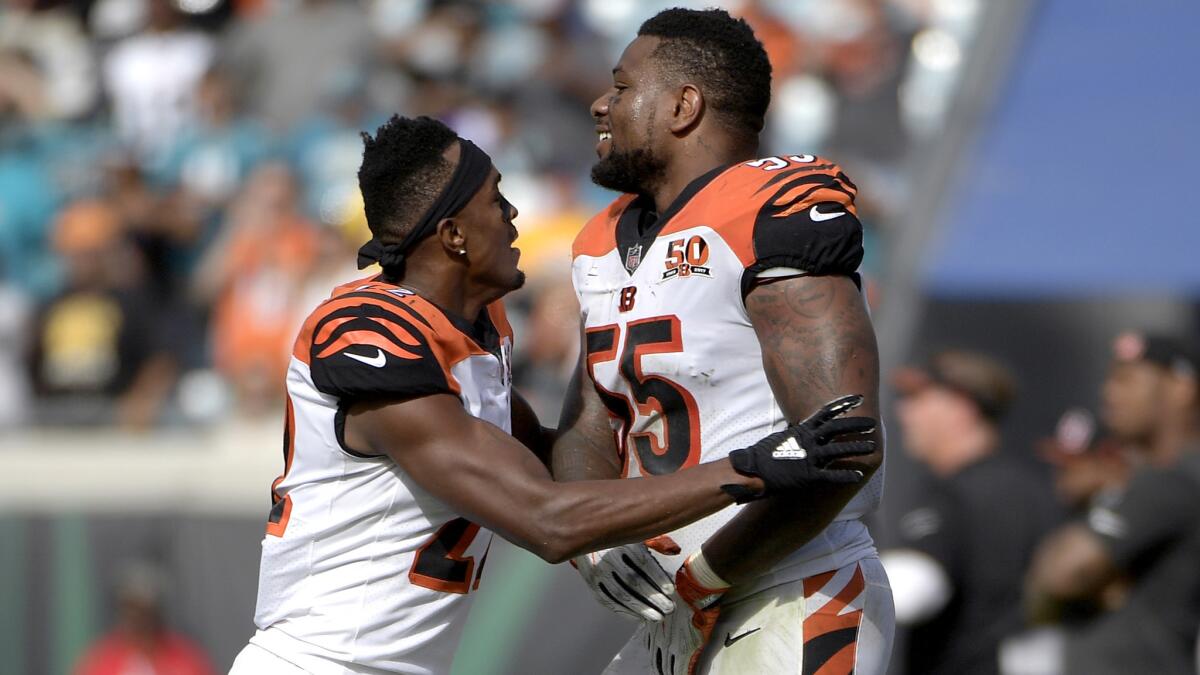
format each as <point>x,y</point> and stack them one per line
<point>600,106</point>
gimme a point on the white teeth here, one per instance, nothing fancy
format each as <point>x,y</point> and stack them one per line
<point>604,136</point>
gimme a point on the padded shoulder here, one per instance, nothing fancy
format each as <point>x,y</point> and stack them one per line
<point>795,211</point>
<point>598,236</point>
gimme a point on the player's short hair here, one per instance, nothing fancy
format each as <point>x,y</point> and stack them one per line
<point>402,173</point>
<point>722,55</point>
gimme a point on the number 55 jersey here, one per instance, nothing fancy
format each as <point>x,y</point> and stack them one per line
<point>363,570</point>
<point>668,341</point>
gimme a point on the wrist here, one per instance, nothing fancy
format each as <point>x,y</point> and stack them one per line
<point>743,486</point>
<point>703,574</point>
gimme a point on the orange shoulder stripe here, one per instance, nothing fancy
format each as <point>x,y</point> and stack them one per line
<point>598,236</point>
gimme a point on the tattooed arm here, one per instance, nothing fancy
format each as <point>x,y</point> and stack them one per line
<point>817,343</point>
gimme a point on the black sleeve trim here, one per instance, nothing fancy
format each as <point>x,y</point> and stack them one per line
<point>339,430</point>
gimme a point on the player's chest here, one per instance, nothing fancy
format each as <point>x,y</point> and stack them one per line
<point>674,315</point>
<point>674,274</point>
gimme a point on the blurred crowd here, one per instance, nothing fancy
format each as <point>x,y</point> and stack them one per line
<point>177,177</point>
<point>1090,567</point>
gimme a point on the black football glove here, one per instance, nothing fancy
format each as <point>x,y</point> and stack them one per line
<point>799,455</point>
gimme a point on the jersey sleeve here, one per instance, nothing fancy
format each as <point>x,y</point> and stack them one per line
<point>1158,505</point>
<point>806,221</point>
<point>371,351</point>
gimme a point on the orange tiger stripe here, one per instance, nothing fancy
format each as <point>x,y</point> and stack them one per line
<point>829,618</point>
<point>820,195</point>
<point>360,337</point>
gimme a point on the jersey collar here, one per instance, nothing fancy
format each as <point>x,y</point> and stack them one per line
<point>639,225</point>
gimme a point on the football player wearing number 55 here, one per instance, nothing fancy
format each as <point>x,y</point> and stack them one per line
<point>721,300</point>
<point>405,446</point>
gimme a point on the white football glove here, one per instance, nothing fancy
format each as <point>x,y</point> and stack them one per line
<point>629,581</point>
<point>676,643</point>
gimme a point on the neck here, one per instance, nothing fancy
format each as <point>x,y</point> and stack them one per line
<point>447,288</point>
<point>963,450</point>
<point>697,159</point>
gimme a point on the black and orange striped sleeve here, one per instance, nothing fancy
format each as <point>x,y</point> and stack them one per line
<point>364,346</point>
<point>806,218</point>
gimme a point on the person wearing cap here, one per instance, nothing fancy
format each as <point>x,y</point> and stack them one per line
<point>965,543</point>
<point>1136,554</point>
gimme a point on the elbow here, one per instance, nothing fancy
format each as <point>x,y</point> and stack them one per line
<point>555,538</point>
<point>553,547</point>
<point>552,553</point>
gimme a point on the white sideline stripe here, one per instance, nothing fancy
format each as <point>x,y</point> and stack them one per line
<point>225,471</point>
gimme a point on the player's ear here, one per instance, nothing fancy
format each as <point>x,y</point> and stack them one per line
<point>689,106</point>
<point>450,232</point>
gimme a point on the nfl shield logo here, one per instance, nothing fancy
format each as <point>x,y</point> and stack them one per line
<point>633,257</point>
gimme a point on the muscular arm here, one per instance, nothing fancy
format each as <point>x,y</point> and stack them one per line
<point>586,446</point>
<point>817,343</point>
<point>487,476</point>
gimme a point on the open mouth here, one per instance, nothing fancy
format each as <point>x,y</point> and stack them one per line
<point>604,142</point>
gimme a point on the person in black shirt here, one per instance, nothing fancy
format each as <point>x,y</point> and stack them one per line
<point>1138,553</point>
<point>965,544</point>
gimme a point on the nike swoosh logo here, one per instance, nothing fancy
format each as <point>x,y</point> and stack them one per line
<point>817,216</point>
<point>376,361</point>
<point>730,640</point>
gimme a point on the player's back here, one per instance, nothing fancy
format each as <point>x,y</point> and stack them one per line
<point>361,565</point>
<point>669,340</point>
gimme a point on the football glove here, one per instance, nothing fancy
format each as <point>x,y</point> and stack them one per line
<point>629,581</point>
<point>676,643</point>
<point>799,455</point>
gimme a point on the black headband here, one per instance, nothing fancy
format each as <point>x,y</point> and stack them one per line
<point>474,166</point>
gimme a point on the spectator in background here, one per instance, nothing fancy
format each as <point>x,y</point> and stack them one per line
<point>1136,555</point>
<point>101,337</point>
<point>151,79</point>
<point>141,643</point>
<point>54,39</point>
<point>290,56</point>
<point>325,148</point>
<point>964,547</point>
<point>29,196</point>
<point>208,161</point>
<point>254,276</point>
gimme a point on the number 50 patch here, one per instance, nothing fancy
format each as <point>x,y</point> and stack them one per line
<point>686,258</point>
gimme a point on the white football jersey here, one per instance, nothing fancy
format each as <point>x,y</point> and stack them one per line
<point>668,341</point>
<point>362,569</point>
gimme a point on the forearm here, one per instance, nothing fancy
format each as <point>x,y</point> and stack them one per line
<point>591,515</point>
<point>576,456</point>
<point>585,447</point>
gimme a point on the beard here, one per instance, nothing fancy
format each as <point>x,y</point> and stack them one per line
<point>636,171</point>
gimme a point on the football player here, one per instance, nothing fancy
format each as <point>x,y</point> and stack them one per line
<point>398,458</point>
<point>720,300</point>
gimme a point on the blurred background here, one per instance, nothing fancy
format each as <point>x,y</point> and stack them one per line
<point>178,190</point>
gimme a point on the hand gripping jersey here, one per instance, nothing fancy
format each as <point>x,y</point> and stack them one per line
<point>362,569</point>
<point>668,340</point>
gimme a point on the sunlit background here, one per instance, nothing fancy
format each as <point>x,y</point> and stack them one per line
<point>177,190</point>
